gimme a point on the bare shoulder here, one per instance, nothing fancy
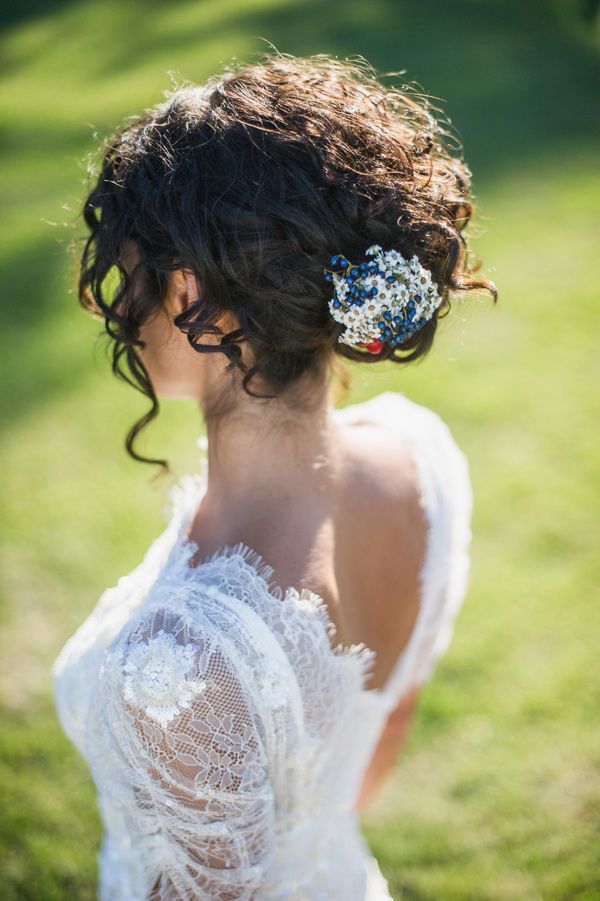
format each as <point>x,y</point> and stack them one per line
<point>381,478</point>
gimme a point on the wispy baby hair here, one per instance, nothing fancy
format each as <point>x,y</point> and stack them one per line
<point>253,180</point>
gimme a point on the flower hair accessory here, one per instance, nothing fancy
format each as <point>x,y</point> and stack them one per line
<point>383,300</point>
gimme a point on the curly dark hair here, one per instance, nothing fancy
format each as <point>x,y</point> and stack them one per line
<point>252,181</point>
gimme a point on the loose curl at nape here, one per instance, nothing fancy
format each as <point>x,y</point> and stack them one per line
<point>252,181</point>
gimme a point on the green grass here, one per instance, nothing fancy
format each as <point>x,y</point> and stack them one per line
<point>497,791</point>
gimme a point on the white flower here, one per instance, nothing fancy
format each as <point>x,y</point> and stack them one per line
<point>273,688</point>
<point>386,301</point>
<point>157,677</point>
<point>271,682</point>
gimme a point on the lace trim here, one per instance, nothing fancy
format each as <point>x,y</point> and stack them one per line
<point>186,495</point>
<point>364,656</point>
<point>184,498</point>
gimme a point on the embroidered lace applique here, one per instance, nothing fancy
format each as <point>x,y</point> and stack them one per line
<point>157,677</point>
<point>227,737</point>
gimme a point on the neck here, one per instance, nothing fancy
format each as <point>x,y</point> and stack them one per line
<point>261,458</point>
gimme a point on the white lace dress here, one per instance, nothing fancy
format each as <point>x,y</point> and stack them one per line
<point>226,731</point>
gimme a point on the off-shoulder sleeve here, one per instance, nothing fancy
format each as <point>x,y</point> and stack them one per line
<point>446,577</point>
<point>183,699</point>
<point>449,507</point>
<point>446,497</point>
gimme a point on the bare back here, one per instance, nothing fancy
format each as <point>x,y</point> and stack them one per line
<point>362,553</point>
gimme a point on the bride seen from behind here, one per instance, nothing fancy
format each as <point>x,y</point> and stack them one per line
<point>256,222</point>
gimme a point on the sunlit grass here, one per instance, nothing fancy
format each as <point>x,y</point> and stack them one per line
<point>497,792</point>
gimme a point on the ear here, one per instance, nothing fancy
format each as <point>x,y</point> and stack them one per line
<point>184,289</point>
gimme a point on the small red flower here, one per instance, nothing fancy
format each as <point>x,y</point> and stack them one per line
<point>373,346</point>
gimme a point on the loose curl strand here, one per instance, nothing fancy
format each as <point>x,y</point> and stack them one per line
<point>252,181</point>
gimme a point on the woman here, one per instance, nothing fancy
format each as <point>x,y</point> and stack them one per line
<point>284,215</point>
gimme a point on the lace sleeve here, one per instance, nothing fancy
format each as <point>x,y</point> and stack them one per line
<point>181,700</point>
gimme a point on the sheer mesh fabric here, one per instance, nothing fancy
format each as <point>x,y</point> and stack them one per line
<point>222,727</point>
<point>226,731</point>
<point>194,722</point>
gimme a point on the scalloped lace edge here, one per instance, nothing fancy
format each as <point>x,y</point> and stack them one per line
<point>184,497</point>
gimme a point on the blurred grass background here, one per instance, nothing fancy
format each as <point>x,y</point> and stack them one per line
<point>497,792</point>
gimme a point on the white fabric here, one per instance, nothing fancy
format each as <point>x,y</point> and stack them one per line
<point>227,733</point>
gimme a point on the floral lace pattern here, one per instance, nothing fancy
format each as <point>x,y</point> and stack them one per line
<point>156,677</point>
<point>227,736</point>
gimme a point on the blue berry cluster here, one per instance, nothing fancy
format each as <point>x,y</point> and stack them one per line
<point>367,280</point>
